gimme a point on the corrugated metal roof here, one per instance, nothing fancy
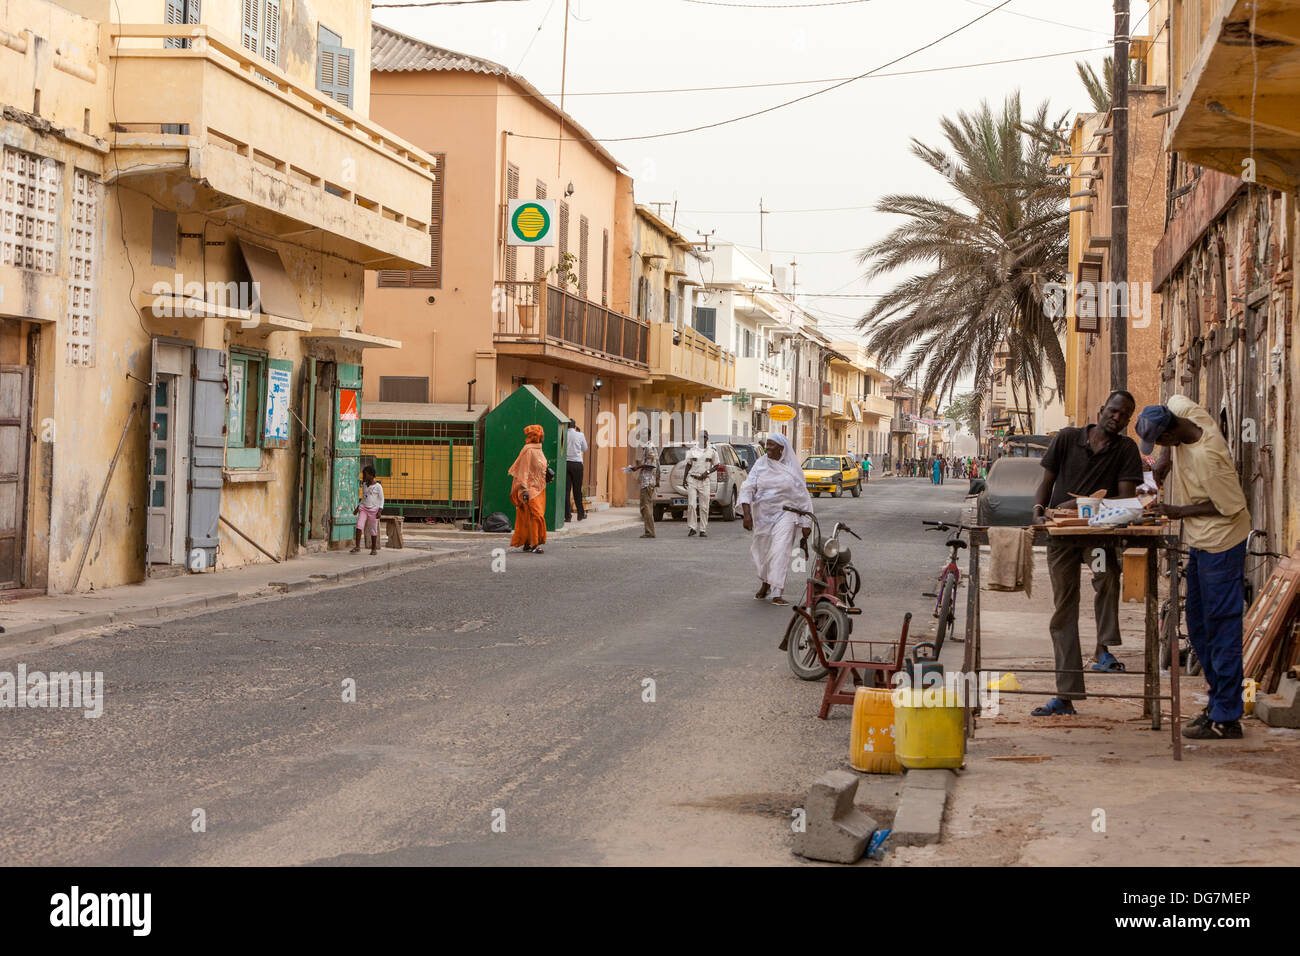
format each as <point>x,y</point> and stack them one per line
<point>395,52</point>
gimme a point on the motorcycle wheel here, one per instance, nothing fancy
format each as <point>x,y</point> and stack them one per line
<point>833,626</point>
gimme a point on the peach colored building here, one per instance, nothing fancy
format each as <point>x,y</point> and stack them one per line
<point>492,314</point>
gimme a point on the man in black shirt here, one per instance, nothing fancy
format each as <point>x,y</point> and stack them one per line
<point>1081,461</point>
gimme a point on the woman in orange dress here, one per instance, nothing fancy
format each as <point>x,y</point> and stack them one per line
<point>528,492</point>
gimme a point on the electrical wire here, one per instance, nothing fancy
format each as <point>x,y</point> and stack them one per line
<point>527,49</point>
<point>754,86</point>
<point>778,106</point>
<point>443,3</point>
<point>777,6</point>
<point>1029,16</point>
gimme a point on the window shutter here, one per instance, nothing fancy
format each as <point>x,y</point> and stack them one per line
<point>512,252</point>
<point>271,32</point>
<point>394,279</point>
<point>604,270</point>
<point>251,25</point>
<point>1087,314</point>
<point>539,254</point>
<point>175,14</point>
<point>564,228</point>
<point>583,229</point>
<point>346,58</point>
<point>334,73</point>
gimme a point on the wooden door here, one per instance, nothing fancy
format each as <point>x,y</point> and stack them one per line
<point>15,413</point>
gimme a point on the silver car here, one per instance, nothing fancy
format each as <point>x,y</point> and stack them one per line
<point>724,485</point>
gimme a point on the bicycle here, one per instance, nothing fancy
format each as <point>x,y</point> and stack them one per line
<point>829,593</point>
<point>945,598</point>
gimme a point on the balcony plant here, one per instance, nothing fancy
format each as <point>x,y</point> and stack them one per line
<point>564,276</point>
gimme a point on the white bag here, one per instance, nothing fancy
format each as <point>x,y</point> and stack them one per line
<point>1112,514</point>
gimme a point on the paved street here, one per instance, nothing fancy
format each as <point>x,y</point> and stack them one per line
<point>475,692</point>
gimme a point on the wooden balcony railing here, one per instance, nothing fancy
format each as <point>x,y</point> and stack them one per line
<point>539,313</point>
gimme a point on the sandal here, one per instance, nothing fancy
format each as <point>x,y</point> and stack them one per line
<point>780,601</point>
<point>1108,664</point>
<point>1056,707</point>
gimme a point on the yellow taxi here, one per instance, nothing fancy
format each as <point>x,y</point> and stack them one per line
<point>832,474</point>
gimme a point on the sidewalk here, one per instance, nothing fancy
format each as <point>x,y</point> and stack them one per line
<point>33,619</point>
<point>1102,788</point>
<point>598,522</point>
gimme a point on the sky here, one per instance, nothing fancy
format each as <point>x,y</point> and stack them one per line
<point>836,153</point>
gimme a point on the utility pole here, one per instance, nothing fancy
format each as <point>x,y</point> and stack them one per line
<point>761,213</point>
<point>1117,294</point>
<point>564,72</point>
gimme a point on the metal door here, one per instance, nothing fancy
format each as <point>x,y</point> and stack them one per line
<point>592,410</point>
<point>307,449</point>
<point>15,410</point>
<point>207,457</point>
<point>346,482</point>
<point>161,464</point>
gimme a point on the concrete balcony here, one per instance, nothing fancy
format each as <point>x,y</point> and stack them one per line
<point>876,406</point>
<point>231,129</point>
<point>759,377</point>
<point>903,426</point>
<point>691,361</point>
<point>539,321</point>
<point>1230,84</point>
<point>837,406</point>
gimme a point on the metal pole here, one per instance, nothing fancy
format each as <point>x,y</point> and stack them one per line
<point>564,69</point>
<point>248,539</point>
<point>103,493</point>
<point>1117,296</point>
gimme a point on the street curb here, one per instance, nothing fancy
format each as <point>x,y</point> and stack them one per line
<point>198,604</point>
<point>921,805</point>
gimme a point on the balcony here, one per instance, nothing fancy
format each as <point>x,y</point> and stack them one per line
<point>759,377</point>
<point>232,129</point>
<point>1229,85</point>
<point>837,405</point>
<point>539,321</point>
<point>901,424</point>
<point>876,406</point>
<point>701,366</point>
<point>810,392</point>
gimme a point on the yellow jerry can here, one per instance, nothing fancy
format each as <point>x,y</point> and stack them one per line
<point>928,737</point>
<point>871,738</point>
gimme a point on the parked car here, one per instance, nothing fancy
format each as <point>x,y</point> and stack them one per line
<point>1024,446</point>
<point>724,485</point>
<point>1006,497</point>
<point>832,474</point>
<point>748,454</point>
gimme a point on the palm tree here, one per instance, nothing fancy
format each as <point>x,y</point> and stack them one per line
<point>1101,89</point>
<point>982,263</point>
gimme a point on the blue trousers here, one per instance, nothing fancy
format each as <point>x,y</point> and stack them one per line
<point>1214,612</point>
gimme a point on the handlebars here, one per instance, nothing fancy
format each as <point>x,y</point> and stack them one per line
<point>945,526</point>
<point>839,525</point>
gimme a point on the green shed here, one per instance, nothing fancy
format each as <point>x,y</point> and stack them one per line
<point>503,437</point>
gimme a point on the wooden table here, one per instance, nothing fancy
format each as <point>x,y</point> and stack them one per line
<point>1154,539</point>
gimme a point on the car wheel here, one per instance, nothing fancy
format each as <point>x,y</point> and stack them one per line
<point>856,490</point>
<point>678,515</point>
<point>728,512</point>
<point>816,494</point>
<point>659,512</point>
<point>839,490</point>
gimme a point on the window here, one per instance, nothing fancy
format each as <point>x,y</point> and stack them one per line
<point>245,409</point>
<point>181,11</point>
<point>749,344</point>
<point>260,28</point>
<point>403,388</point>
<point>430,278</point>
<point>584,230</point>
<point>512,252</point>
<point>81,269</point>
<point>604,270</point>
<point>564,229</point>
<point>706,321</point>
<point>334,64</point>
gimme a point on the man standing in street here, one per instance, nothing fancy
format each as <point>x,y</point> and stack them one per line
<point>701,459</point>
<point>1207,498</point>
<point>574,448</point>
<point>1083,460</point>
<point>646,468</point>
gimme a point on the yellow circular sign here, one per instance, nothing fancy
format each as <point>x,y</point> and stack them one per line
<point>781,413</point>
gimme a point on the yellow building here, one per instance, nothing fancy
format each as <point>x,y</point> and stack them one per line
<point>857,411</point>
<point>687,367</point>
<point>189,211</point>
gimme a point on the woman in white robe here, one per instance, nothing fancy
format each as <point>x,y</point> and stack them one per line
<point>776,480</point>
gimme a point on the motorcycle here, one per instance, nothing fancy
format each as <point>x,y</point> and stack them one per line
<point>828,602</point>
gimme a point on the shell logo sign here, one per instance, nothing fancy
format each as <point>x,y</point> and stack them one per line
<point>530,222</point>
<point>780,413</point>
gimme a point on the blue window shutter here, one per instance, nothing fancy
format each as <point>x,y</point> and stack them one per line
<point>334,72</point>
<point>207,448</point>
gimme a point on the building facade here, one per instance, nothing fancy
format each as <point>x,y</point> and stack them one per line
<point>191,200</point>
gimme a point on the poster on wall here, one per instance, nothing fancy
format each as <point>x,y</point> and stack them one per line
<point>277,403</point>
<point>349,420</point>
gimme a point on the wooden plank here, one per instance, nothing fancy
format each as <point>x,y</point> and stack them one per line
<point>1135,574</point>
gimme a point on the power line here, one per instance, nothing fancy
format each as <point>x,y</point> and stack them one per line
<point>776,6</point>
<point>759,86</point>
<point>1029,16</point>
<point>797,99</point>
<point>443,3</point>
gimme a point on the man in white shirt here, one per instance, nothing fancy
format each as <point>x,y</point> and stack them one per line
<point>701,459</point>
<point>575,446</point>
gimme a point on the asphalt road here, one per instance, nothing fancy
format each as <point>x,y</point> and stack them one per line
<point>500,716</point>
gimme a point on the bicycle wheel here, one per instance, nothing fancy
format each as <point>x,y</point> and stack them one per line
<point>833,628</point>
<point>946,615</point>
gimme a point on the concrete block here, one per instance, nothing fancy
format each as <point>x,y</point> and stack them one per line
<point>1283,708</point>
<point>82,622</point>
<point>919,820</point>
<point>929,780</point>
<point>834,830</point>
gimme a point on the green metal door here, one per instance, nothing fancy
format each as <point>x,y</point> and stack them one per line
<point>346,480</point>
<point>307,449</point>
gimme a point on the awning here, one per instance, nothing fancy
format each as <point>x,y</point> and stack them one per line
<point>273,290</point>
<point>421,412</point>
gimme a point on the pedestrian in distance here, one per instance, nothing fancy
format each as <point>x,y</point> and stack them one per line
<point>367,511</point>
<point>866,468</point>
<point>575,446</point>
<point>775,481</point>
<point>528,492</point>
<point>1207,498</point>
<point>936,472</point>
<point>1083,460</point>
<point>701,460</point>
<point>646,468</point>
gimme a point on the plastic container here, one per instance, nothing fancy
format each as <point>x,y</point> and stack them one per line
<point>928,738</point>
<point>871,737</point>
<point>1088,506</point>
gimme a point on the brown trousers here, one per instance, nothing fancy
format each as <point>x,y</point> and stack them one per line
<point>648,509</point>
